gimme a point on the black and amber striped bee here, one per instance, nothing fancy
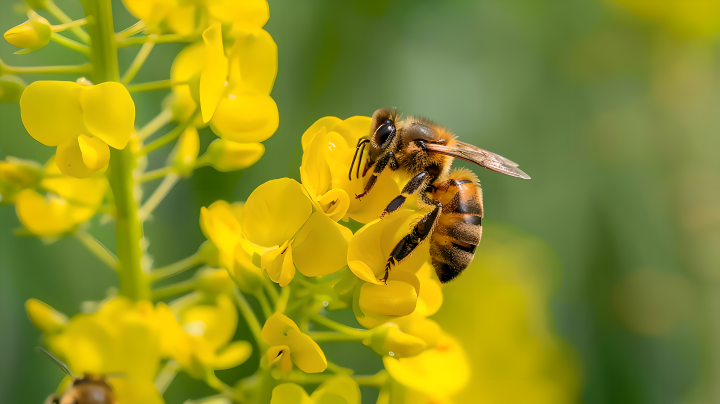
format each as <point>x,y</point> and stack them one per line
<point>88,389</point>
<point>426,151</point>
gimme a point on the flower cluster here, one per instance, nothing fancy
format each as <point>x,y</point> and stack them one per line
<point>283,263</point>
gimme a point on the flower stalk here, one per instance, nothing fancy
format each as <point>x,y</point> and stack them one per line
<point>134,282</point>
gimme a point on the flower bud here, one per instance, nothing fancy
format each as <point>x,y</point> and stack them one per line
<point>11,88</point>
<point>44,317</point>
<point>388,339</point>
<point>31,35</point>
<point>226,156</point>
<point>186,152</point>
<point>16,175</point>
<point>208,254</point>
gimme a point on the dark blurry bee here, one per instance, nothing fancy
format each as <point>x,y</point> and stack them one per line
<point>89,389</point>
<point>426,150</point>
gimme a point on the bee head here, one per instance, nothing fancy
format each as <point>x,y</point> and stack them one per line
<point>383,128</point>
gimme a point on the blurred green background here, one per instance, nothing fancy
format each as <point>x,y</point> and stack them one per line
<point>613,116</point>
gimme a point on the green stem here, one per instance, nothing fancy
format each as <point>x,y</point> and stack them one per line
<point>73,69</point>
<point>155,174</point>
<point>157,196</point>
<point>321,336</point>
<point>264,304</point>
<point>137,63</point>
<point>169,137</point>
<point>335,326</point>
<point>63,27</point>
<point>252,321</point>
<point>174,289</point>
<point>98,249</point>
<point>63,18</point>
<point>131,30</point>
<point>175,268</point>
<point>152,86</point>
<point>270,289</point>
<point>168,38</point>
<point>70,44</point>
<point>134,281</point>
<point>162,119</point>
<point>166,375</point>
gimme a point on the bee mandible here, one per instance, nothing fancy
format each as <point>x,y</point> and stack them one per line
<point>88,389</point>
<point>426,150</point>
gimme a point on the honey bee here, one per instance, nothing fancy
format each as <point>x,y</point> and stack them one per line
<point>426,150</point>
<point>89,389</point>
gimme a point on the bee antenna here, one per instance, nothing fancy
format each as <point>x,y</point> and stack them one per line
<point>57,361</point>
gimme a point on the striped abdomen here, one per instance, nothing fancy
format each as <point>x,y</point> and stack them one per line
<point>459,228</point>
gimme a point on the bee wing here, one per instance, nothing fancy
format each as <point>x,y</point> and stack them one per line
<point>481,157</point>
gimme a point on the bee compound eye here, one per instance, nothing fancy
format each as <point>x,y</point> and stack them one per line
<point>383,132</point>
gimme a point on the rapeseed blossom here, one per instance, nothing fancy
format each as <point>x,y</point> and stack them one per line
<point>223,79</point>
<point>700,19</point>
<point>82,121</point>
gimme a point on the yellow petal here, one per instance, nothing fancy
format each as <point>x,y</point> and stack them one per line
<point>441,371</point>
<point>314,170</point>
<point>45,318</point>
<point>70,159</point>
<point>334,203</point>
<point>181,19</point>
<point>371,246</point>
<point>320,246</point>
<point>327,122</point>
<point>234,354</point>
<point>45,218</point>
<point>245,118</point>
<point>254,61</point>
<point>274,331</point>
<point>289,393</point>
<point>278,263</point>
<point>225,156</point>
<point>431,297</point>
<point>214,73</point>
<point>394,299</point>
<point>245,14</point>
<point>109,113</point>
<point>420,327</point>
<point>219,322</point>
<point>136,390</point>
<point>342,387</point>
<point>51,111</point>
<point>305,353</point>
<point>274,212</point>
<point>188,63</point>
<point>220,225</point>
<point>95,152</point>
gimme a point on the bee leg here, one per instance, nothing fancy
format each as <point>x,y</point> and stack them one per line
<point>410,242</point>
<point>416,183</point>
<point>388,157</point>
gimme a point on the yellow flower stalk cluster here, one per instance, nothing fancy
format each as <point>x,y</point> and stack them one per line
<point>280,264</point>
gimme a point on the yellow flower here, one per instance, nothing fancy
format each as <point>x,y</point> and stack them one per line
<point>328,150</point>
<point>80,120</point>
<point>220,223</point>
<point>289,345</point>
<point>11,88</point>
<point>16,175</point>
<point>279,217</point>
<point>69,202</point>
<point>225,156</point>
<point>208,333</point>
<point>336,390</point>
<point>233,92</point>
<point>121,337</point>
<point>33,34</point>
<point>181,17</point>
<point>437,373</point>
<point>682,17</point>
